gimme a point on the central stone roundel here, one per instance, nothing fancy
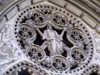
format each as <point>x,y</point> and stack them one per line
<point>53,37</point>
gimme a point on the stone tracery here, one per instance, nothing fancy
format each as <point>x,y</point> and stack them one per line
<point>53,29</point>
<point>63,45</point>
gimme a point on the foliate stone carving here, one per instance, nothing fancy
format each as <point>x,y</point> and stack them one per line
<point>96,38</point>
<point>8,51</point>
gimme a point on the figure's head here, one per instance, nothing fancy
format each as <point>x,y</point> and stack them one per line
<point>49,25</point>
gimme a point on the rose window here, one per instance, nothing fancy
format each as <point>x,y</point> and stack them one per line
<point>51,37</point>
<point>45,39</point>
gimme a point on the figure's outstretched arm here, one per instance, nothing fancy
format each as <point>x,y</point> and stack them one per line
<point>62,33</point>
<point>41,34</point>
<point>44,45</point>
<point>32,24</point>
